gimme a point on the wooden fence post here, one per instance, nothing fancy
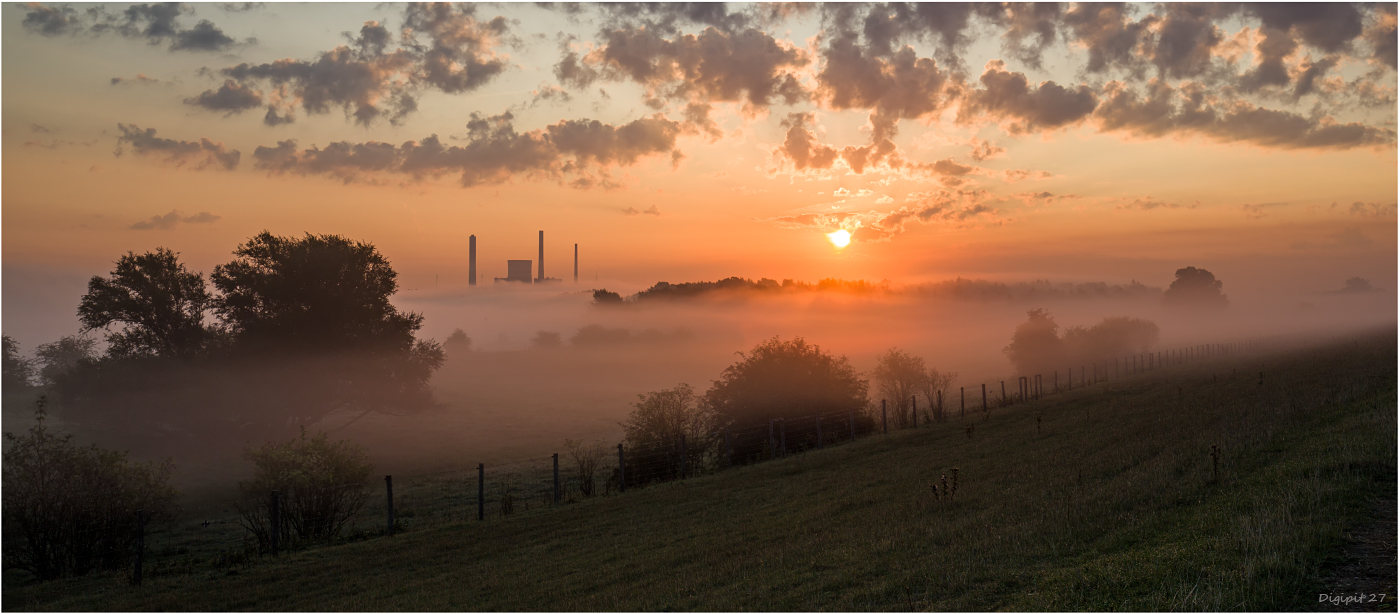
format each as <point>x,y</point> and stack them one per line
<point>389,492</point>
<point>274,520</point>
<point>914,408</point>
<point>1003,393</point>
<point>884,417</point>
<point>140,547</point>
<point>621,470</point>
<point>819,432</point>
<point>683,457</point>
<point>481,488</point>
<point>851,422</point>
<point>782,434</point>
<point>984,398</point>
<point>556,478</point>
<point>940,404</point>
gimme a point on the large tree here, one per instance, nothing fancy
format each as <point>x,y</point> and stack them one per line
<point>319,307</point>
<point>786,379</point>
<point>1036,346</point>
<point>19,371</point>
<point>159,303</point>
<point>1196,288</point>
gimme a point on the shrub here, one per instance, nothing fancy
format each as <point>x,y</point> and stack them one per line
<point>898,375</point>
<point>68,509</point>
<point>654,429</point>
<point>322,485</point>
<point>586,458</point>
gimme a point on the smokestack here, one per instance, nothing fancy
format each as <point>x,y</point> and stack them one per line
<point>576,263</point>
<point>471,260</point>
<point>541,256</point>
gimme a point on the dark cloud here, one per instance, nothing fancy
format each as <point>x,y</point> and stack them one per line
<point>1167,111</point>
<point>202,153</point>
<point>1375,210</point>
<point>155,23</point>
<point>652,210</point>
<point>444,47</point>
<point>240,7</point>
<point>1381,35</point>
<point>746,66</point>
<point>173,219</point>
<point>52,20</point>
<point>955,207</point>
<point>1008,97</point>
<point>139,79</point>
<point>582,151</point>
<point>230,97</point>
<point>668,17</point>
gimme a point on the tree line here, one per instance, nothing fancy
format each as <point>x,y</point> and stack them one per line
<point>289,330</point>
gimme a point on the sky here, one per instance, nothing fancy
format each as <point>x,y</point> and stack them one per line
<point>696,142</point>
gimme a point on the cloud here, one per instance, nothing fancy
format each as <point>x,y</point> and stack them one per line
<point>1148,203</point>
<point>1166,111</point>
<point>652,210</point>
<point>155,23</point>
<point>801,151</point>
<point>984,150</point>
<point>747,66</point>
<point>1018,174</point>
<point>956,208</point>
<point>139,79</point>
<point>581,150</point>
<point>1256,211</point>
<point>1008,97</point>
<point>231,97</point>
<point>443,47</point>
<point>173,219</point>
<point>202,153</point>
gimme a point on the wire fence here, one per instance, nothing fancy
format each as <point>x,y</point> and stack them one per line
<point>220,536</point>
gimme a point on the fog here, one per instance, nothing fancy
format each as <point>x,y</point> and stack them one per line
<point>508,398</point>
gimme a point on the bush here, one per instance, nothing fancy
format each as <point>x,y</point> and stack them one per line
<point>654,429</point>
<point>322,484</point>
<point>69,510</point>
<point>786,379</point>
<point>586,458</point>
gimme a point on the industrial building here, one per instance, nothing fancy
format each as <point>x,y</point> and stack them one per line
<point>518,270</point>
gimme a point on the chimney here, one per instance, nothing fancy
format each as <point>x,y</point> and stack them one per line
<point>576,263</point>
<point>471,260</point>
<point>541,256</point>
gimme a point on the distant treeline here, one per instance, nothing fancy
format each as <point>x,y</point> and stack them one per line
<point>961,289</point>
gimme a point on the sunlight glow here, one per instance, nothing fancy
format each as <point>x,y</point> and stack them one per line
<point>840,238</point>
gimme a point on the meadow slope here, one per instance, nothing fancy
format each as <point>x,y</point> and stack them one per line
<point>1103,498</point>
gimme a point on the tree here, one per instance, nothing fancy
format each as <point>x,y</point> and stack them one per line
<point>939,385</point>
<point>786,379</point>
<point>69,510</point>
<point>1035,346</point>
<point>319,307</point>
<point>899,376</point>
<point>62,357</point>
<point>586,458</point>
<point>1111,338</point>
<point>654,429</point>
<point>322,484</point>
<point>18,370</point>
<point>458,342</point>
<point>1356,285</point>
<point>160,304</point>
<point>1195,287</point>
<point>603,297</point>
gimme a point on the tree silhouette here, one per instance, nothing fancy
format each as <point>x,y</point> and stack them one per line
<point>1035,346</point>
<point>899,376</point>
<point>19,371</point>
<point>1195,287</point>
<point>319,306</point>
<point>160,304</point>
<point>786,379</point>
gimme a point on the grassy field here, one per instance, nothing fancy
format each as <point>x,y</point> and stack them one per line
<point>1104,498</point>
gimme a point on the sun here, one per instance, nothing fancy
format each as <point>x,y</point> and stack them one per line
<point>840,238</point>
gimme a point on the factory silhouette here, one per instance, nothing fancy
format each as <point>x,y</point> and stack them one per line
<point>517,270</point>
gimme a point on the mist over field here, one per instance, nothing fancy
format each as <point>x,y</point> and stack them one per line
<point>510,395</point>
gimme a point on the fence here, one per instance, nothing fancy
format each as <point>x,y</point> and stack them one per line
<point>270,523</point>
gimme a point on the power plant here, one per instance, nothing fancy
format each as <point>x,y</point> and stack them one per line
<point>518,270</point>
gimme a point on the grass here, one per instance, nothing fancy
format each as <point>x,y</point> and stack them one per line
<point>1110,504</point>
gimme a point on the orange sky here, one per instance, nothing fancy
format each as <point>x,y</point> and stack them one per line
<point>1069,143</point>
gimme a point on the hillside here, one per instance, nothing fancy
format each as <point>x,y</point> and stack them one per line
<point>1103,498</point>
